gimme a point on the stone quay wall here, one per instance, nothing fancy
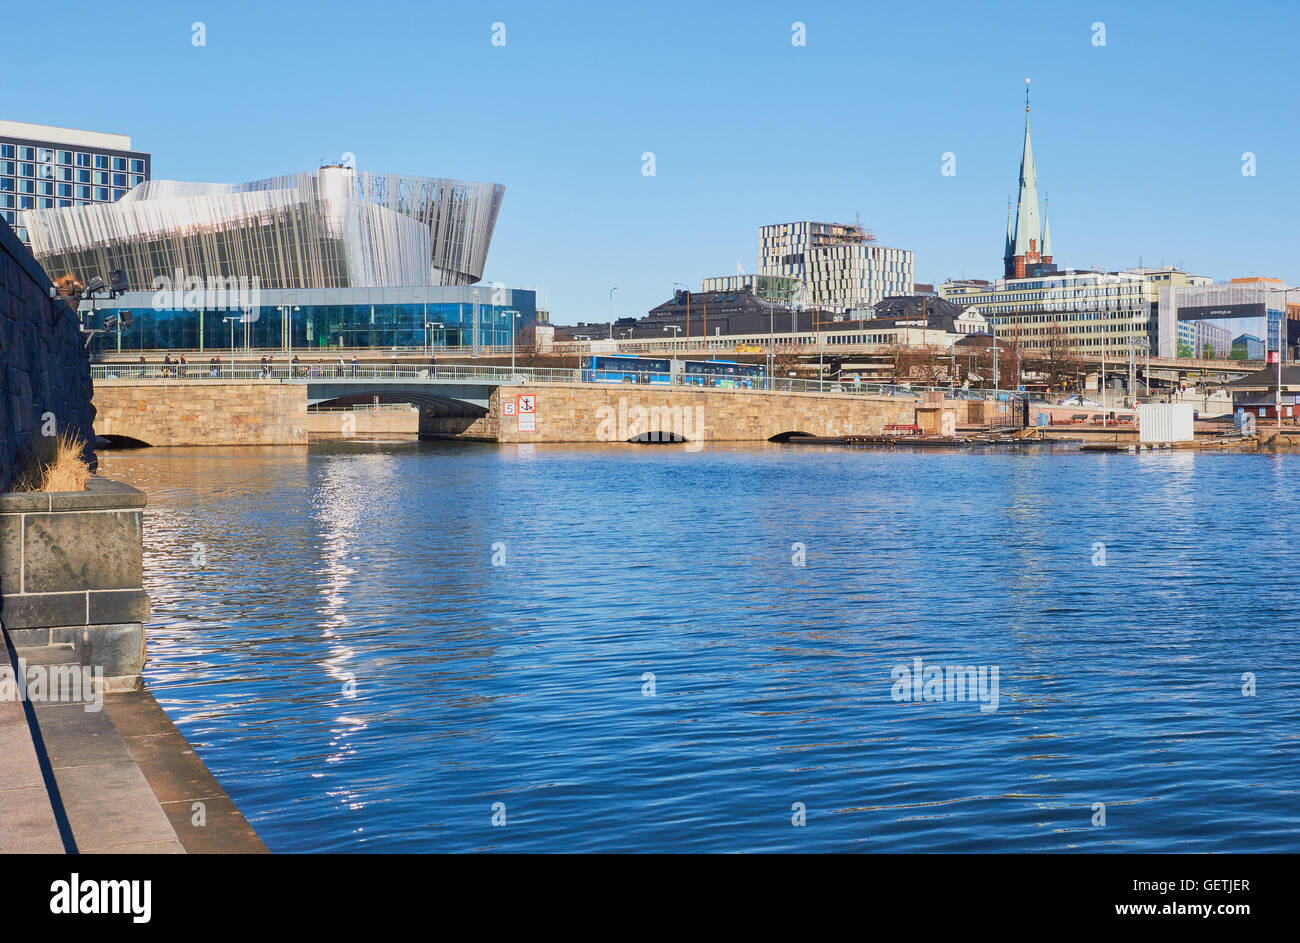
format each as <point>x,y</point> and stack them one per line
<point>45,386</point>
<point>70,578</point>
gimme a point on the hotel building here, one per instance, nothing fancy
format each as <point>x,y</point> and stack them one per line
<point>44,167</point>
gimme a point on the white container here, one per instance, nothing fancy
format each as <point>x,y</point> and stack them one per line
<point>1165,422</point>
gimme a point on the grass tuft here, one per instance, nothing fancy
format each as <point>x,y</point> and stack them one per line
<point>56,464</point>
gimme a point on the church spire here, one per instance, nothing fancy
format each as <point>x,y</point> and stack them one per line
<point>1009,254</point>
<point>1047,234</point>
<point>1029,237</point>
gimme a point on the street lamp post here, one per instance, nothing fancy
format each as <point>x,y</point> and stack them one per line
<point>286,325</point>
<point>513,314</point>
<point>1281,345</point>
<point>611,311</point>
<point>771,341</point>
<point>688,309</point>
<point>676,329</point>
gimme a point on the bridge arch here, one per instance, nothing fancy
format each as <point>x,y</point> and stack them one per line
<point>658,437</point>
<point>116,441</point>
<point>792,435</point>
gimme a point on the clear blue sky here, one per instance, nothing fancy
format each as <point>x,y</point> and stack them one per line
<point>1139,143</point>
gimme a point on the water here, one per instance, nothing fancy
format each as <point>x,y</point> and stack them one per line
<point>331,633</point>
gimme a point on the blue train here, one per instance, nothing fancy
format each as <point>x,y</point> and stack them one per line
<point>625,368</point>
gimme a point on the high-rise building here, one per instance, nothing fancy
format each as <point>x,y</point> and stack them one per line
<point>44,167</point>
<point>840,265</point>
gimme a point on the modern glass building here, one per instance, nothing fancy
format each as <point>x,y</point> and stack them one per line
<point>330,260</point>
<point>45,167</point>
<point>333,228</point>
<point>312,321</point>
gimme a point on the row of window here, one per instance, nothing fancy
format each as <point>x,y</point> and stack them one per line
<point>47,155</point>
<point>9,168</point>
<point>48,188</point>
<point>65,193</point>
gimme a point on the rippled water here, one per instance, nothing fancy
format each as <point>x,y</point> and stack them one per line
<point>279,576</point>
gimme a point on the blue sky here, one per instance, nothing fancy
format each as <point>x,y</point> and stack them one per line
<point>1139,142</point>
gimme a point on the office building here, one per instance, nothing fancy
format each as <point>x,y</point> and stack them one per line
<point>44,167</point>
<point>839,266</point>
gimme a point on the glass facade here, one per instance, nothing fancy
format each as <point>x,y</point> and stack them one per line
<point>404,318</point>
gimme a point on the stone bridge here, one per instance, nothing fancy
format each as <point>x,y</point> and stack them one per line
<point>202,409</point>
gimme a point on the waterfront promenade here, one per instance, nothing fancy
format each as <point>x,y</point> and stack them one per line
<point>116,779</point>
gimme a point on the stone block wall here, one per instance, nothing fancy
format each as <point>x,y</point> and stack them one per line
<point>44,369</point>
<point>70,578</point>
<point>616,413</point>
<point>202,412</point>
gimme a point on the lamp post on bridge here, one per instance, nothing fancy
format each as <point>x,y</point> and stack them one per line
<point>508,313</point>
<point>672,377</point>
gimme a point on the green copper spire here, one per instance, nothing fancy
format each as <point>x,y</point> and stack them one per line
<point>1047,233</point>
<point>1028,227</point>
<point>1011,234</point>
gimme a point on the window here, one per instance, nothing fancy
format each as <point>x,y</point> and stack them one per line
<point>119,180</point>
<point>101,177</point>
<point>65,157</point>
<point>27,170</point>
<point>65,189</point>
<point>26,186</point>
<point>118,194</point>
<point>119,163</point>
<point>137,165</point>
<point>26,153</point>
<point>46,188</point>
<point>7,150</point>
<point>83,160</point>
<point>45,155</point>
<point>9,216</point>
<point>83,176</point>
<point>45,203</point>
<point>137,179</point>
<point>101,194</point>
<point>83,193</point>
<point>101,161</point>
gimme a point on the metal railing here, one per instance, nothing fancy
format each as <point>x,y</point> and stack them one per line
<point>468,373</point>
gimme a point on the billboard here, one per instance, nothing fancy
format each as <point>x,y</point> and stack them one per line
<point>1217,312</point>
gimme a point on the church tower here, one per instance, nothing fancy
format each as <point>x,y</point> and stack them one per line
<point>1029,242</point>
